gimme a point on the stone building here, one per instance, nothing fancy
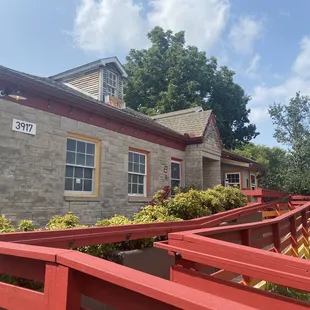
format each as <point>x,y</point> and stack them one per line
<point>68,143</point>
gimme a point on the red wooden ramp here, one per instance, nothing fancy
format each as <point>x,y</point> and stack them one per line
<point>235,251</point>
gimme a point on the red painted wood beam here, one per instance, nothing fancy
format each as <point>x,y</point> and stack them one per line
<point>252,297</point>
<point>259,264</point>
<point>17,298</point>
<point>173,294</point>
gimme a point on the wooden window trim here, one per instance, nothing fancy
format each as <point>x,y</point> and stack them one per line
<point>147,157</point>
<point>253,174</point>
<point>240,176</point>
<point>178,161</point>
<point>97,166</point>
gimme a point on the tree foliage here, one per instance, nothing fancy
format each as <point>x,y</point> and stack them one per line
<point>275,161</point>
<point>292,128</point>
<point>171,76</point>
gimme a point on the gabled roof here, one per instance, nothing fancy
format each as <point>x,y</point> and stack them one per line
<point>59,90</point>
<point>191,121</point>
<point>90,66</point>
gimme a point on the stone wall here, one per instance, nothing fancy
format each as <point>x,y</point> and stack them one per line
<point>211,173</point>
<point>32,168</point>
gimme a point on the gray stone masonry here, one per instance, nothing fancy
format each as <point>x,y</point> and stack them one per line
<point>32,168</point>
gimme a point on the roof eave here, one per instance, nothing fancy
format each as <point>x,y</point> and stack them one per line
<point>88,67</point>
<point>91,106</point>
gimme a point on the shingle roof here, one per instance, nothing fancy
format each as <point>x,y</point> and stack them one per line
<point>190,121</point>
<point>59,87</point>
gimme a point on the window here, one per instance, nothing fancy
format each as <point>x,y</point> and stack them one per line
<point>137,170</point>
<point>111,84</point>
<point>175,174</point>
<point>253,181</point>
<point>80,166</point>
<point>233,179</point>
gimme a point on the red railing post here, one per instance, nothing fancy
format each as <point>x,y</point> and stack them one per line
<point>293,231</point>
<point>60,288</point>
<point>246,240</point>
<point>305,230</point>
<point>276,237</point>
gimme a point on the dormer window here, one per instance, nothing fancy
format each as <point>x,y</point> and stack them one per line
<point>111,84</point>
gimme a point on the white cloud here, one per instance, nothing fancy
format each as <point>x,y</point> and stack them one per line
<point>264,96</point>
<point>203,20</point>
<point>301,65</point>
<point>244,33</point>
<point>251,71</point>
<point>114,26</point>
<point>109,25</point>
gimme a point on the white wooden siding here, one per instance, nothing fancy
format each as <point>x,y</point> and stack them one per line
<point>88,82</point>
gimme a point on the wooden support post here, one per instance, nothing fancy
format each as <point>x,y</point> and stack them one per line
<point>276,237</point>
<point>293,231</point>
<point>305,232</point>
<point>60,288</point>
<point>246,240</point>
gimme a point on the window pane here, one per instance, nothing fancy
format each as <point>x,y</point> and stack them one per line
<point>70,158</point>
<point>88,184</point>
<point>71,145</point>
<point>136,158</point>
<point>136,168</point>
<point>88,173</point>
<point>142,168</point>
<point>69,171</point>
<point>80,159</point>
<point>78,185</point>
<point>134,188</point>
<point>174,184</point>
<point>130,167</point>
<point>90,149</point>
<point>141,179</point>
<point>81,146</point>
<point>175,171</point>
<point>129,178</point>
<point>129,188</point>
<point>142,159</point>
<point>78,172</point>
<point>68,184</point>
<point>90,160</point>
<point>130,156</point>
<point>134,178</point>
<point>140,190</point>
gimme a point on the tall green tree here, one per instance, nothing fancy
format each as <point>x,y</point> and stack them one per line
<point>292,128</point>
<point>171,76</point>
<point>275,160</point>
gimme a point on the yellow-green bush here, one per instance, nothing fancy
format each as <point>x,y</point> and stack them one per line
<point>5,225</point>
<point>66,221</point>
<point>189,205</point>
<point>26,225</point>
<point>228,197</point>
<point>150,214</point>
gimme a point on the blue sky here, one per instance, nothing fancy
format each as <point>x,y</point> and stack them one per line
<point>266,42</point>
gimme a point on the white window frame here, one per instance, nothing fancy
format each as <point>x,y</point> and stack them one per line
<point>139,174</point>
<point>251,184</point>
<point>233,184</point>
<point>180,176</point>
<point>73,192</point>
<point>110,85</point>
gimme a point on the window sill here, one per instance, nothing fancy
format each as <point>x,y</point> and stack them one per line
<point>138,199</point>
<point>82,198</point>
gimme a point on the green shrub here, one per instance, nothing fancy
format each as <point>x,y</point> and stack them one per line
<point>230,197</point>
<point>26,225</point>
<point>150,214</point>
<point>288,292</point>
<point>5,225</point>
<point>66,221</point>
<point>189,205</point>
